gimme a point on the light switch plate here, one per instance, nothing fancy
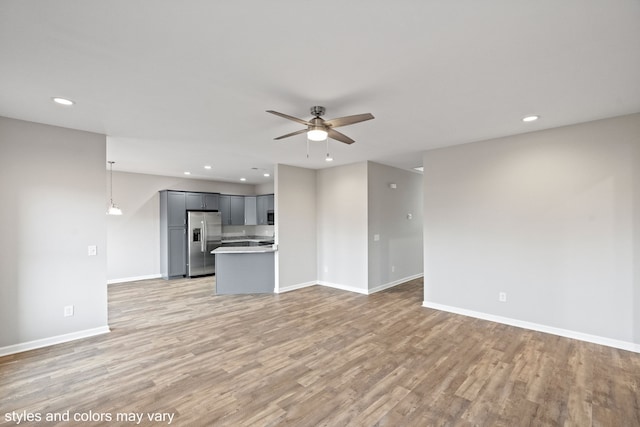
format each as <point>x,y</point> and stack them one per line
<point>92,250</point>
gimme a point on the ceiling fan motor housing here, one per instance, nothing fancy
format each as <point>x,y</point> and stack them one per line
<point>317,111</point>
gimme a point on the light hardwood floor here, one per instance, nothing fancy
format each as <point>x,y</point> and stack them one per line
<point>318,357</point>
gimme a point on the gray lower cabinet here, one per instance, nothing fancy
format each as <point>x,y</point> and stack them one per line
<point>245,273</point>
<point>177,252</point>
<point>173,238</point>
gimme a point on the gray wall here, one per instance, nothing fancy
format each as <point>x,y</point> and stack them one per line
<point>295,199</point>
<point>552,218</point>
<point>342,227</point>
<point>397,255</point>
<point>52,184</point>
<point>133,239</point>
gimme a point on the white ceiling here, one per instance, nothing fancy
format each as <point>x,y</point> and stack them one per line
<point>176,85</point>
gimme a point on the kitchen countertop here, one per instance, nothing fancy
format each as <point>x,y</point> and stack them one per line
<point>237,239</point>
<point>244,249</point>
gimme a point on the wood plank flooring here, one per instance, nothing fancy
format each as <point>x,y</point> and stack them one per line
<point>317,357</point>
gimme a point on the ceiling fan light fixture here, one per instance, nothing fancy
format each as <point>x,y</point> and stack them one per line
<point>317,135</point>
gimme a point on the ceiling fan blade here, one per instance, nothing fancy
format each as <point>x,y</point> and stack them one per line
<point>334,134</point>
<point>298,132</point>
<point>295,119</point>
<point>348,120</point>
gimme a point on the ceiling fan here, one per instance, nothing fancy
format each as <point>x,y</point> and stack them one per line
<point>319,129</point>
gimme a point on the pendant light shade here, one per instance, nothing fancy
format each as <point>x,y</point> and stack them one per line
<point>113,208</point>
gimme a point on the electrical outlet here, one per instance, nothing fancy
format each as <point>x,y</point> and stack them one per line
<point>68,311</point>
<point>92,250</point>
<point>409,216</point>
<point>376,237</point>
<point>393,268</point>
<point>502,296</point>
<point>326,269</point>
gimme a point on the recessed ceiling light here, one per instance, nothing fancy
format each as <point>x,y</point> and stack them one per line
<point>187,173</point>
<point>207,167</point>
<point>267,174</point>
<point>243,179</point>
<point>419,168</point>
<point>63,101</point>
<point>530,118</point>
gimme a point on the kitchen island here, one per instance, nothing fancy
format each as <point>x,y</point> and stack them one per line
<point>245,270</point>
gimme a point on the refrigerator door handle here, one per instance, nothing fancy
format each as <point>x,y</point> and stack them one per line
<point>204,237</point>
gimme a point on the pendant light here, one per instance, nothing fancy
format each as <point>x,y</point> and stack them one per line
<point>113,208</point>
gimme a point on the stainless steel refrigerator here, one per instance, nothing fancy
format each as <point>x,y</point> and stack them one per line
<point>205,235</point>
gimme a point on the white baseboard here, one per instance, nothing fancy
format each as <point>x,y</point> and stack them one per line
<point>134,278</point>
<point>394,283</point>
<point>344,287</point>
<point>289,288</point>
<point>595,339</point>
<point>58,339</point>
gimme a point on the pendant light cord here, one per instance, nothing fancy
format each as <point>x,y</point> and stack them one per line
<point>111,181</point>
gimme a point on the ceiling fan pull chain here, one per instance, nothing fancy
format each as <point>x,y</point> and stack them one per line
<point>307,148</point>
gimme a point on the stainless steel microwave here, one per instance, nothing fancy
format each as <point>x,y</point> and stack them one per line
<point>271,218</point>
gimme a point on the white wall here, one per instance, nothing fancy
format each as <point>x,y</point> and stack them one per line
<point>266,188</point>
<point>52,184</point>
<point>398,254</point>
<point>295,206</point>
<point>551,218</point>
<point>342,227</point>
<point>134,238</point>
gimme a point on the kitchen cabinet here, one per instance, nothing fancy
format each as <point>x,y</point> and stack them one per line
<point>225,209</point>
<point>237,210</point>
<point>264,204</point>
<point>177,252</point>
<point>173,234</point>
<point>232,209</point>
<point>202,201</point>
<point>250,211</point>
<point>175,203</point>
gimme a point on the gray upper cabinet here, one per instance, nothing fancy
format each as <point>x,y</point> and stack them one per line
<point>203,201</point>
<point>250,211</point>
<point>175,208</point>
<point>264,204</point>
<point>232,209</point>
<point>237,210</point>
<point>225,209</point>
<point>211,201</point>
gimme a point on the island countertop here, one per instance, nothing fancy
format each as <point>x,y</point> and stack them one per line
<point>244,249</point>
